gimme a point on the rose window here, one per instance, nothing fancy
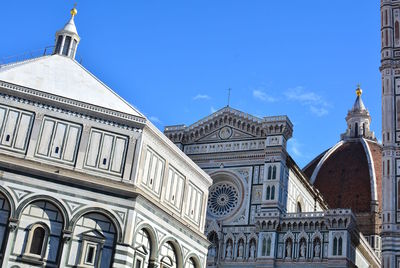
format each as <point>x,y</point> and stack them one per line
<point>223,199</point>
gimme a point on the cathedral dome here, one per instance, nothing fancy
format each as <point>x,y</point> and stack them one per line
<point>349,175</point>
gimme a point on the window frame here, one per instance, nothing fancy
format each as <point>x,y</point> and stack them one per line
<point>28,247</point>
<point>88,240</point>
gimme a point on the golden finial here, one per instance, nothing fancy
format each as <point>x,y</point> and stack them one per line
<point>358,90</point>
<point>74,11</point>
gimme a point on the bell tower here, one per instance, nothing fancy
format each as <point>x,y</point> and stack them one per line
<point>390,71</point>
<point>67,39</point>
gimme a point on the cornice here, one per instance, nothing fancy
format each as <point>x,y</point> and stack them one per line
<point>48,104</point>
<point>47,100</point>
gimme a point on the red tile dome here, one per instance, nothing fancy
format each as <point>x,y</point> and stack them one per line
<point>349,175</point>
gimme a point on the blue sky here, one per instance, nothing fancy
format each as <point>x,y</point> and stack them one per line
<point>175,60</point>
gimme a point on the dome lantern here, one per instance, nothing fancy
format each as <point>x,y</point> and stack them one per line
<point>358,120</point>
<point>67,39</point>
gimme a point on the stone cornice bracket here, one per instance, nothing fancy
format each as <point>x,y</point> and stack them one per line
<point>13,224</point>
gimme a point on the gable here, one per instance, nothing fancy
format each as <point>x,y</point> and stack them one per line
<point>226,133</point>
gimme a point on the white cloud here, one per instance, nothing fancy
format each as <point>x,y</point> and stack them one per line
<point>315,103</point>
<point>154,119</point>
<point>295,147</point>
<point>262,95</point>
<point>319,111</point>
<point>212,109</point>
<point>201,97</point>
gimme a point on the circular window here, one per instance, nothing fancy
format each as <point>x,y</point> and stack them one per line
<point>223,199</point>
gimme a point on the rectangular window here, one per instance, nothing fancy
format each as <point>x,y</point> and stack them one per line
<point>59,140</point>
<point>15,128</point>
<point>175,188</point>
<point>138,263</point>
<point>58,45</point>
<point>153,171</point>
<point>194,203</point>
<point>90,255</point>
<point>106,152</point>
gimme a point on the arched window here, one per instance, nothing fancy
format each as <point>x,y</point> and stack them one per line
<point>268,193</point>
<point>190,263</point>
<point>264,247</point>
<point>269,242</point>
<point>37,240</point>
<point>274,173</point>
<point>143,248</point>
<point>298,208</point>
<point>273,193</point>
<point>168,253</point>
<point>269,172</point>
<point>334,253</point>
<point>396,31</point>
<point>340,246</point>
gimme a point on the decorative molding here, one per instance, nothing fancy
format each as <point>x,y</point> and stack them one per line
<point>67,112</point>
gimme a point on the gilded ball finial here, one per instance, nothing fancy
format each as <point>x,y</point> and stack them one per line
<point>358,90</point>
<point>74,11</point>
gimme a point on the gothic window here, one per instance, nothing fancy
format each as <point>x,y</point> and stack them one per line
<point>274,173</point>
<point>264,247</point>
<point>298,209</point>
<point>67,43</point>
<point>335,246</point>
<point>268,193</point>
<point>269,242</point>
<point>396,31</point>
<point>273,193</point>
<point>340,246</point>
<point>37,240</point>
<point>269,172</point>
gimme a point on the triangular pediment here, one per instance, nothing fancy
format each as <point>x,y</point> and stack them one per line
<point>225,133</point>
<point>224,124</point>
<point>94,234</point>
<point>65,77</point>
